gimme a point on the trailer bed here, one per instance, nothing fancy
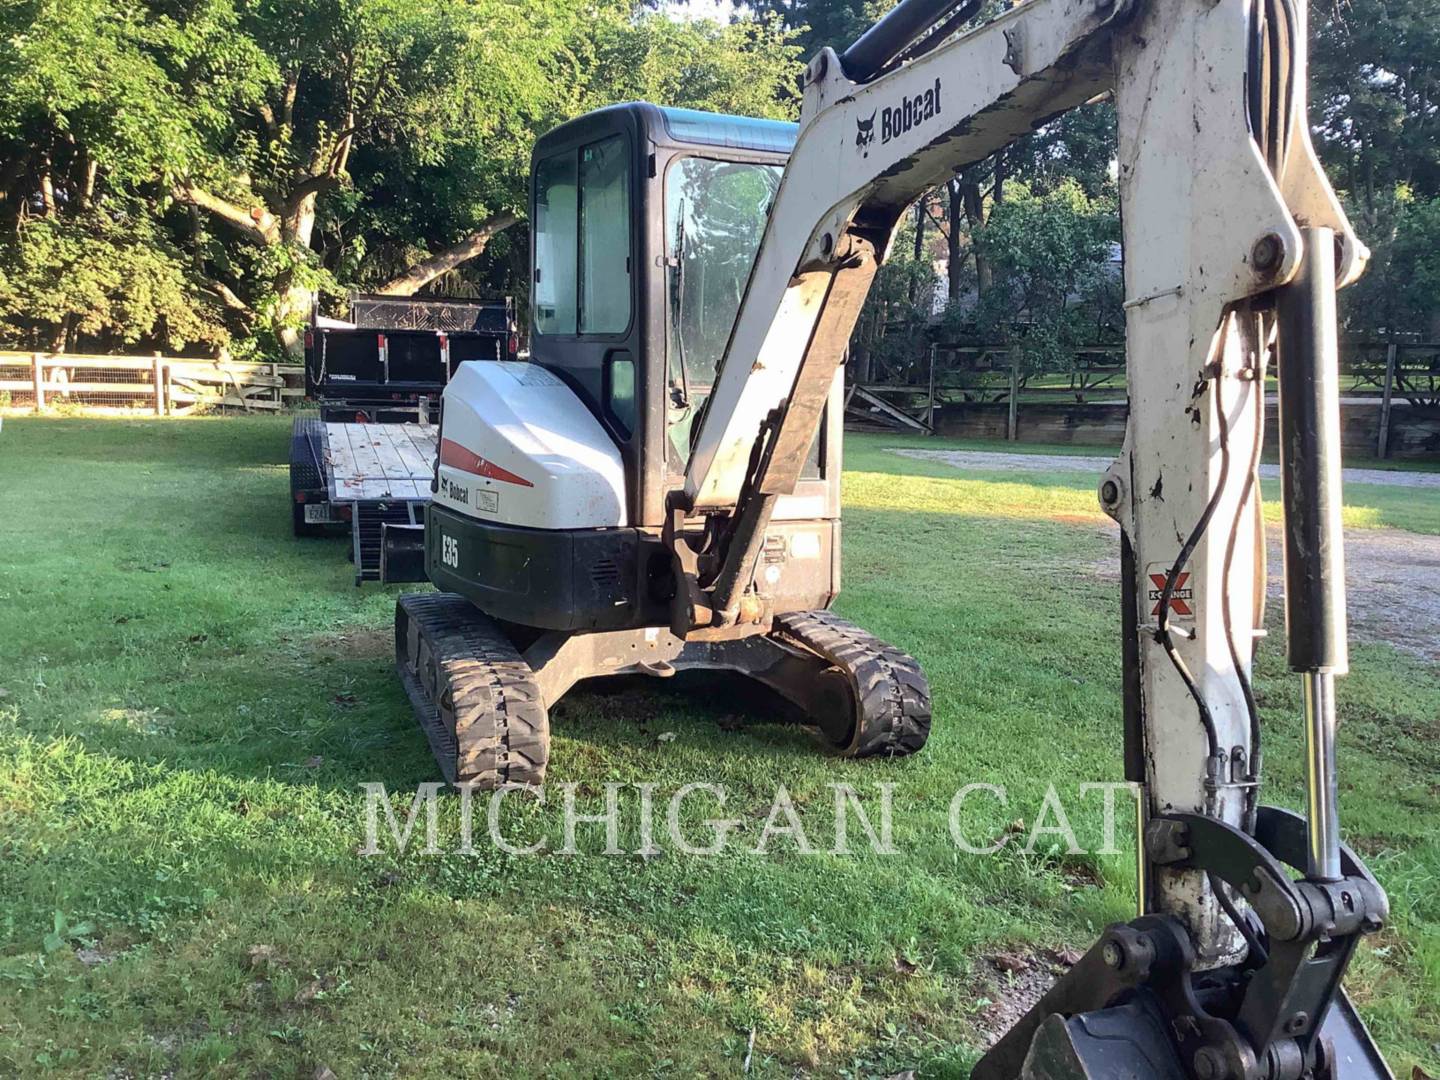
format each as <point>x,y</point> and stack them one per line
<point>368,462</point>
<point>366,478</point>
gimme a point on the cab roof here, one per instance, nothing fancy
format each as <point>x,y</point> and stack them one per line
<point>677,127</point>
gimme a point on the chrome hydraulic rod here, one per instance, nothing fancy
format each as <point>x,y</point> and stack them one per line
<point>1321,798</point>
<point>1309,379</point>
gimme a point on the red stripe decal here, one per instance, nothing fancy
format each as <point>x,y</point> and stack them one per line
<point>457,457</point>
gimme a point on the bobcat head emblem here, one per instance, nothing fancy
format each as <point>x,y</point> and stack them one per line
<point>865,133</point>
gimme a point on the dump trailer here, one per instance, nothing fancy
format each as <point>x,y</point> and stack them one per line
<point>364,464</point>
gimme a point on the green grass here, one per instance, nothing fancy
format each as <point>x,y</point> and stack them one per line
<point>191,699</point>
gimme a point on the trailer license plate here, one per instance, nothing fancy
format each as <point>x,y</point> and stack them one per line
<point>319,514</point>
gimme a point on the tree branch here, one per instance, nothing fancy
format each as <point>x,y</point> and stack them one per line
<point>311,185</point>
<point>258,222</point>
<point>427,270</point>
<point>228,297</point>
<point>267,117</point>
<point>287,101</point>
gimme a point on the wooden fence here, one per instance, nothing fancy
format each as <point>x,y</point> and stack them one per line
<point>982,394</point>
<point>158,385</point>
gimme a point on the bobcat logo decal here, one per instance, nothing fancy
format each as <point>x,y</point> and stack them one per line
<point>865,133</point>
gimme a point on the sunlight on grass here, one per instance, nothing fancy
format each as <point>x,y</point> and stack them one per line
<point>877,474</point>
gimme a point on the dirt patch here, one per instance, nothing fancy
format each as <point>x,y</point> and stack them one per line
<point>1392,585</point>
<point>368,644</point>
<point>1013,982</point>
<point>1392,577</point>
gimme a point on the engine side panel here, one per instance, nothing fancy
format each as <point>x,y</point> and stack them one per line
<point>519,447</point>
<point>607,579</point>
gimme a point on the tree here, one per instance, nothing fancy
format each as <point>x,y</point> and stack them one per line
<point>819,23</point>
<point>889,341</point>
<point>264,152</point>
<point>89,115</point>
<point>1375,88</point>
<point>421,86</point>
<point>1054,286</point>
<point>1399,293</point>
<point>110,277</point>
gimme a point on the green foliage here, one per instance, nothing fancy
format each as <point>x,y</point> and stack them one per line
<point>819,23</point>
<point>268,151</point>
<point>1375,81</point>
<point>340,142</point>
<point>107,275</point>
<point>1078,146</point>
<point>747,67</point>
<point>63,932</point>
<point>1400,291</point>
<point>1415,258</point>
<point>1054,286</point>
<point>891,338</point>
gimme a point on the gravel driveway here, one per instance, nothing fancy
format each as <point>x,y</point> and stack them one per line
<point>1392,577</point>
<point>985,459</point>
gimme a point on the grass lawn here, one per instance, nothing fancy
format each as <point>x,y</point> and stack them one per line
<point>189,700</point>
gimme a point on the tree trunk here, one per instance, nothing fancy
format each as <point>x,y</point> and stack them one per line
<point>296,303</point>
<point>974,203</point>
<point>426,271</point>
<point>952,244</point>
<point>919,246</point>
<point>47,187</point>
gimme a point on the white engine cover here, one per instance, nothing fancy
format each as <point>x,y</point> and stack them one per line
<point>518,447</point>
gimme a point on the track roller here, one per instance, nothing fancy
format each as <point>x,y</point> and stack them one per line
<point>473,694</point>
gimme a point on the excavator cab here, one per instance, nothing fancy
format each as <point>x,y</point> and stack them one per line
<point>645,224</point>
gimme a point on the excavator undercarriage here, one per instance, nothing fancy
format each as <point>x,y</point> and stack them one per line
<point>484,703</point>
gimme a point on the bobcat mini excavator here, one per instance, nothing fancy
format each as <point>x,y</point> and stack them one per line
<point>657,489</point>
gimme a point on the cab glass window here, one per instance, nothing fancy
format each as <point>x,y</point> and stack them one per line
<point>604,237</point>
<point>556,265</point>
<point>715,214</point>
<point>582,240</point>
<point>620,399</point>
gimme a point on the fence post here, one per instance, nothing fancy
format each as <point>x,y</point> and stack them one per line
<point>37,375</point>
<point>159,370</point>
<point>1382,444</point>
<point>1012,424</point>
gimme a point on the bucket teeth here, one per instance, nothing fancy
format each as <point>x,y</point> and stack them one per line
<point>474,696</point>
<point>888,694</point>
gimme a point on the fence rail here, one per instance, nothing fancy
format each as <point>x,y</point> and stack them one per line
<point>1378,376</point>
<point>160,385</point>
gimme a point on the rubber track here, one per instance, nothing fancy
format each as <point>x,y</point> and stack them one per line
<point>891,691</point>
<point>477,699</point>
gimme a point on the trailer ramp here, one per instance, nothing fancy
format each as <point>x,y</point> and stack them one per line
<point>382,472</point>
